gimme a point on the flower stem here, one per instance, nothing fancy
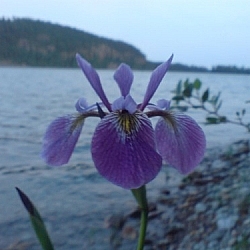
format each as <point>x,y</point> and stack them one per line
<point>141,198</point>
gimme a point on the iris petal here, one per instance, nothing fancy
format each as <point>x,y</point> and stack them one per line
<point>126,103</point>
<point>60,139</point>
<point>123,149</point>
<point>163,104</point>
<point>180,141</point>
<point>118,104</point>
<point>81,105</point>
<point>130,104</point>
<point>93,78</point>
<point>124,78</point>
<point>155,80</point>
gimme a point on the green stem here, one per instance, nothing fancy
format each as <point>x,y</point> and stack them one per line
<point>141,198</point>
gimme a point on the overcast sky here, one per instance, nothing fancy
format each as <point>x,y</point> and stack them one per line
<point>205,33</point>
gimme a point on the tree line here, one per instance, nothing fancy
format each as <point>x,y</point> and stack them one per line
<point>30,42</point>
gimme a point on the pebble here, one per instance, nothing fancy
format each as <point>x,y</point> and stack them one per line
<point>200,207</point>
<point>226,222</point>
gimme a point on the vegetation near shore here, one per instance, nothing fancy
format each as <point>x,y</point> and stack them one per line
<point>27,42</point>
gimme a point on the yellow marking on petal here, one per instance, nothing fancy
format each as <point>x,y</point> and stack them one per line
<point>127,122</point>
<point>79,119</point>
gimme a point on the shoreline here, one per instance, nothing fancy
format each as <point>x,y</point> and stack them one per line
<point>206,210</point>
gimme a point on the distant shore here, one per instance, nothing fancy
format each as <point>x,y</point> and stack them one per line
<point>192,69</point>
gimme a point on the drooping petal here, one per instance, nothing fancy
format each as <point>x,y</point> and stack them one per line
<point>180,141</point>
<point>60,139</point>
<point>124,78</point>
<point>123,149</point>
<point>155,80</point>
<point>93,78</point>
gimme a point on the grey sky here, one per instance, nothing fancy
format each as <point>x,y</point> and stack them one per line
<point>206,33</point>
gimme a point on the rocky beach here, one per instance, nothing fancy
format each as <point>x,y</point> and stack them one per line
<point>207,210</point>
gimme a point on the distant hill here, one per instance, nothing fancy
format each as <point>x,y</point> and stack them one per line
<point>37,43</point>
<point>30,42</point>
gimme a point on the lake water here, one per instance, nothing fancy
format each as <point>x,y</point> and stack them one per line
<point>74,199</point>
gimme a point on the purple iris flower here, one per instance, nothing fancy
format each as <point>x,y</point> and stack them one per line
<point>125,148</point>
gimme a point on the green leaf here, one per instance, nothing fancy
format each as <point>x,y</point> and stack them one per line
<point>186,83</point>
<point>178,88</point>
<point>187,92</point>
<point>197,84</point>
<point>219,105</point>
<point>178,98</point>
<point>216,99</point>
<point>37,221</point>
<point>223,119</point>
<point>205,96</point>
<point>216,120</point>
<point>212,120</point>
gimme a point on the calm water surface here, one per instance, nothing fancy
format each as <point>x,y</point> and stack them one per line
<point>30,98</point>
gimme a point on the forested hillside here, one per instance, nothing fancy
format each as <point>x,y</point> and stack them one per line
<point>36,43</point>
